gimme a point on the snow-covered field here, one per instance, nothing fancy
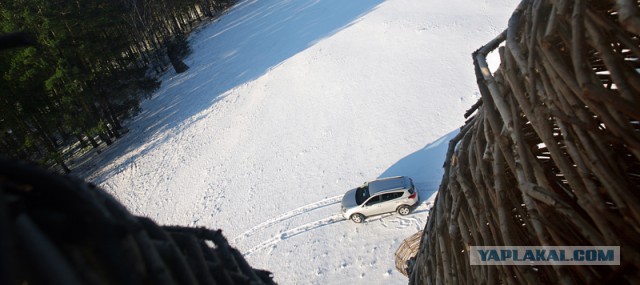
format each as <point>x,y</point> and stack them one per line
<point>287,105</point>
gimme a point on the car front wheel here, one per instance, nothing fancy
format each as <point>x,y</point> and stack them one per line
<point>404,210</point>
<point>357,218</point>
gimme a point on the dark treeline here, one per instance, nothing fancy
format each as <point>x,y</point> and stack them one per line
<point>92,63</point>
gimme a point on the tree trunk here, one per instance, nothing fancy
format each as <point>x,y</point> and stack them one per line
<point>178,65</point>
<point>43,133</point>
<point>105,138</point>
<point>61,163</point>
<point>92,141</point>
<point>81,140</point>
<point>111,116</point>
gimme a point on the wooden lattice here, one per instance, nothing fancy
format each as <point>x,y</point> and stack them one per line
<point>550,154</point>
<point>406,253</point>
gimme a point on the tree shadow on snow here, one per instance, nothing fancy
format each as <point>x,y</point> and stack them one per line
<point>425,166</point>
<point>249,40</point>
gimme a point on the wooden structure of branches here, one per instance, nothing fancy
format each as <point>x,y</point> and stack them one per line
<point>550,153</point>
<point>57,230</point>
<point>406,253</point>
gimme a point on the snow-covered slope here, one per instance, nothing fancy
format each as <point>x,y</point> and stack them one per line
<point>287,105</point>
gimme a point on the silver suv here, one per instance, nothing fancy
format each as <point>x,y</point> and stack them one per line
<point>380,196</point>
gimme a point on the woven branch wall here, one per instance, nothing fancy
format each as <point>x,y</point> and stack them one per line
<point>58,230</point>
<point>550,154</point>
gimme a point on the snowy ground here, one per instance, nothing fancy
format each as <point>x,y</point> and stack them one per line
<point>287,105</point>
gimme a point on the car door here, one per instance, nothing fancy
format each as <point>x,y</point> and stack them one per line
<point>390,201</point>
<point>372,206</point>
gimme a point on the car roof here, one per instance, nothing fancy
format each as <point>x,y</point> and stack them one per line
<point>386,184</point>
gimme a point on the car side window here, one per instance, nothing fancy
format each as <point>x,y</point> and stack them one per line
<point>374,200</point>
<point>391,196</point>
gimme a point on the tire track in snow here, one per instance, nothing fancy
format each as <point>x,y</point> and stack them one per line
<point>288,215</point>
<point>296,231</point>
<point>400,222</point>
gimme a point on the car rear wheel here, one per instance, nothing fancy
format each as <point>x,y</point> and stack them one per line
<point>404,210</point>
<point>357,218</point>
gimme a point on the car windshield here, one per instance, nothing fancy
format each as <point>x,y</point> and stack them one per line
<point>362,194</point>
